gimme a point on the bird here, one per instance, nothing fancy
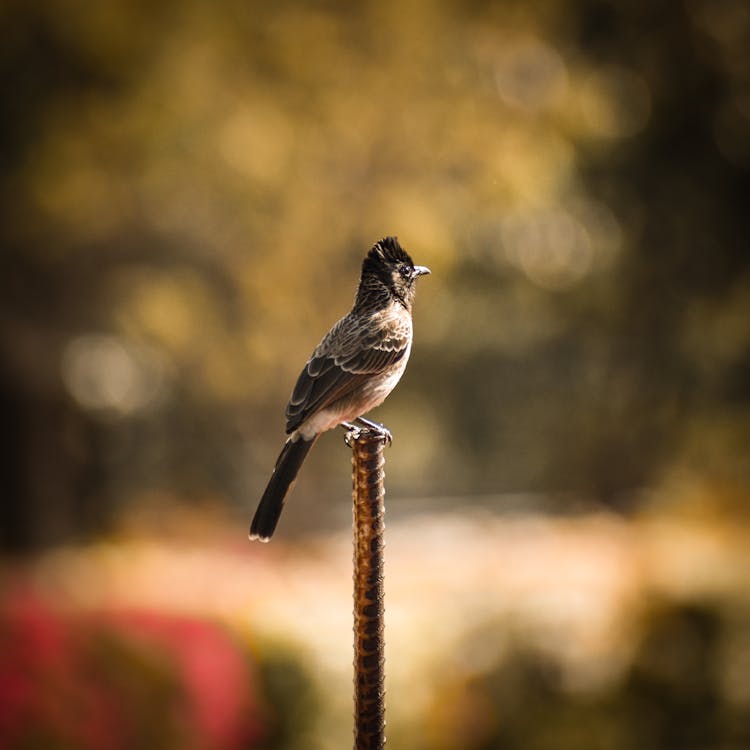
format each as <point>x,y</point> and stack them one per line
<point>351,371</point>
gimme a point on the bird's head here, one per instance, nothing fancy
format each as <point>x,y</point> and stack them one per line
<point>388,267</point>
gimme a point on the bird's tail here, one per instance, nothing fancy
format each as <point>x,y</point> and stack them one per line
<point>279,485</point>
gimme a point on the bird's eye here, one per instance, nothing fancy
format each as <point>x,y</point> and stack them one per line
<point>405,271</point>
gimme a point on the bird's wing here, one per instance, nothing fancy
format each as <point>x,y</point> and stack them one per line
<point>352,352</point>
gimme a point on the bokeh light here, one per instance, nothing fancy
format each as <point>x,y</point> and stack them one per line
<point>104,374</point>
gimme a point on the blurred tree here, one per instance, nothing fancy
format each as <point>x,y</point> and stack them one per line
<point>690,254</point>
<point>186,194</point>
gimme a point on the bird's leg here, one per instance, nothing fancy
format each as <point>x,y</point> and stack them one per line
<point>376,428</point>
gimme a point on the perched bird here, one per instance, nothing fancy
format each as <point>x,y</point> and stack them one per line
<point>352,370</point>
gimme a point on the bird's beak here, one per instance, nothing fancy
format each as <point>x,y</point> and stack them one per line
<point>421,271</point>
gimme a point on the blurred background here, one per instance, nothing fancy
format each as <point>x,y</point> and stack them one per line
<point>186,195</point>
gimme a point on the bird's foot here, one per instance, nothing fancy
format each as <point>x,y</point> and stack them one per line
<point>362,426</point>
<point>352,433</point>
<point>376,428</point>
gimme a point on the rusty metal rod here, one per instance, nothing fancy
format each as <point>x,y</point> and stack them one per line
<point>368,494</point>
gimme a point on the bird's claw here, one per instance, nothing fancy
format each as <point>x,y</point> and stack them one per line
<point>365,427</point>
<point>352,433</point>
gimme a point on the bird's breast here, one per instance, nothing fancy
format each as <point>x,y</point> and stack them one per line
<point>370,394</point>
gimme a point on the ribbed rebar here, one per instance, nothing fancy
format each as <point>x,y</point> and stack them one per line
<point>369,643</point>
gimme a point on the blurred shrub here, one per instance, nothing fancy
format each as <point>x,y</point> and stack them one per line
<point>291,700</point>
<point>672,694</point>
<point>122,680</point>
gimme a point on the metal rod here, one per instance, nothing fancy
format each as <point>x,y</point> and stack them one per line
<point>368,495</point>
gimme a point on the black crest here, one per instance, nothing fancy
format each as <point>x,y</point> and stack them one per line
<point>387,252</point>
<point>390,249</point>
